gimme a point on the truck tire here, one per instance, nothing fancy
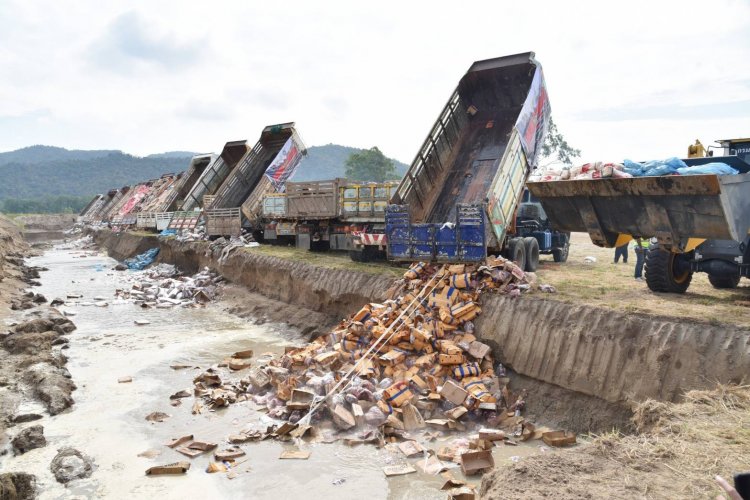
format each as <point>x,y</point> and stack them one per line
<point>663,273</point>
<point>724,281</point>
<point>356,255</point>
<point>517,252</point>
<point>561,254</point>
<point>531,248</point>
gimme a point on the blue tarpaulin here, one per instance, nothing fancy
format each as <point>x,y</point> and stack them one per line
<point>140,262</point>
<point>672,166</point>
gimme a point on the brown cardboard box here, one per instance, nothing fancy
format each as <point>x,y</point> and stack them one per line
<point>450,359</point>
<point>412,418</point>
<point>476,462</point>
<point>301,399</point>
<point>453,392</point>
<point>479,350</point>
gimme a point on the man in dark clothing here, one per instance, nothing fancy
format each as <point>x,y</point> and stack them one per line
<point>621,251</point>
<point>640,256</point>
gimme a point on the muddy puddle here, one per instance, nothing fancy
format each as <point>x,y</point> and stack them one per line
<point>107,421</point>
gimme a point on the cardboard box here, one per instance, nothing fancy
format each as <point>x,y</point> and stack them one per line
<point>491,434</point>
<point>479,350</point>
<point>301,399</point>
<point>398,394</point>
<point>477,462</point>
<point>453,392</point>
<point>412,418</point>
<point>450,359</point>
<point>175,468</point>
<point>457,412</point>
<point>466,370</point>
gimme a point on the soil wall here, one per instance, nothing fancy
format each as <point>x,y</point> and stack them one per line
<point>596,352</point>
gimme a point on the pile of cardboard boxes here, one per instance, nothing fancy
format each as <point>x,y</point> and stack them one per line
<point>409,366</point>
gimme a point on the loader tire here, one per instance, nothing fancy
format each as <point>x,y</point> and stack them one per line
<point>517,252</point>
<point>561,254</point>
<point>664,273</point>
<point>531,247</point>
<point>724,281</point>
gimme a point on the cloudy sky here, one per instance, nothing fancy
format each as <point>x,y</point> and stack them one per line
<point>632,79</point>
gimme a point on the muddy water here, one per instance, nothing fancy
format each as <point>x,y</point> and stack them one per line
<point>107,421</point>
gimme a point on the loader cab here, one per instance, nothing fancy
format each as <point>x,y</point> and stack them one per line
<point>530,211</point>
<point>736,147</point>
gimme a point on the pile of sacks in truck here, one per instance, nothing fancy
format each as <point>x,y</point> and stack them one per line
<point>162,286</point>
<point>412,362</point>
<point>628,168</point>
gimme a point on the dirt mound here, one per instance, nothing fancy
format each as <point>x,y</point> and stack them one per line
<point>676,452</point>
<point>46,222</point>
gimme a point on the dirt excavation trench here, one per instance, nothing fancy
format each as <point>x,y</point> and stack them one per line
<point>585,369</point>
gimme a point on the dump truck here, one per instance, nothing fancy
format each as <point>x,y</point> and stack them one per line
<point>263,169</point>
<point>701,222</point>
<point>214,175</point>
<point>459,198</point>
<point>323,215</point>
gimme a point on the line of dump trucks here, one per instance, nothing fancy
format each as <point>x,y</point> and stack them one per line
<point>461,199</point>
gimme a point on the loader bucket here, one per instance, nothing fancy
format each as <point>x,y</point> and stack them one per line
<point>674,208</point>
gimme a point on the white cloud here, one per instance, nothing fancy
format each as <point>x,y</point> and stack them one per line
<point>639,79</point>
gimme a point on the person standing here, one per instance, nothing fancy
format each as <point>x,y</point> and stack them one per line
<point>621,251</point>
<point>639,247</point>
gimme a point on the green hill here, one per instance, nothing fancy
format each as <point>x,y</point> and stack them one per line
<point>43,171</point>
<point>47,178</point>
<point>329,162</point>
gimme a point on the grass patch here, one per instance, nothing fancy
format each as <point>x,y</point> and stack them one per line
<point>706,435</point>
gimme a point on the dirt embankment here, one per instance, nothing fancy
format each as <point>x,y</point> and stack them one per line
<point>38,228</point>
<point>585,365</point>
<point>307,297</point>
<point>32,363</point>
<point>46,222</point>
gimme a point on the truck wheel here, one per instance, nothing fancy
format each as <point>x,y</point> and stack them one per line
<point>356,255</point>
<point>531,248</point>
<point>517,252</point>
<point>561,254</point>
<point>724,281</point>
<point>667,272</point>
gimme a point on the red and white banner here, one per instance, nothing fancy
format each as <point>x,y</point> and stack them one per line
<point>283,166</point>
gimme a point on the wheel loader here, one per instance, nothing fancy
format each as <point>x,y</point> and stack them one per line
<point>701,223</point>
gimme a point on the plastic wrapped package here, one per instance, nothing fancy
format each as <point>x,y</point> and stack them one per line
<point>716,168</point>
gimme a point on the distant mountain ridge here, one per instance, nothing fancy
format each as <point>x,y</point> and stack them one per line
<point>39,171</point>
<point>329,162</point>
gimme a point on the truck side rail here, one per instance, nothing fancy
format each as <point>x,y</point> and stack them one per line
<point>223,222</point>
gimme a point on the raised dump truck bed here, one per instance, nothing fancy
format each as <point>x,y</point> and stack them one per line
<point>701,222</point>
<point>250,169</point>
<point>673,209</point>
<point>263,169</point>
<point>196,169</point>
<point>467,179</point>
<point>215,174</point>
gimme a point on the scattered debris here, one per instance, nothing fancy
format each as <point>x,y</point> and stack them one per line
<point>150,453</point>
<point>559,438</point>
<point>125,380</point>
<point>157,416</point>
<point>398,470</point>
<point>476,462</point>
<point>70,464</point>
<point>174,468</point>
<point>295,455</point>
<point>163,287</point>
